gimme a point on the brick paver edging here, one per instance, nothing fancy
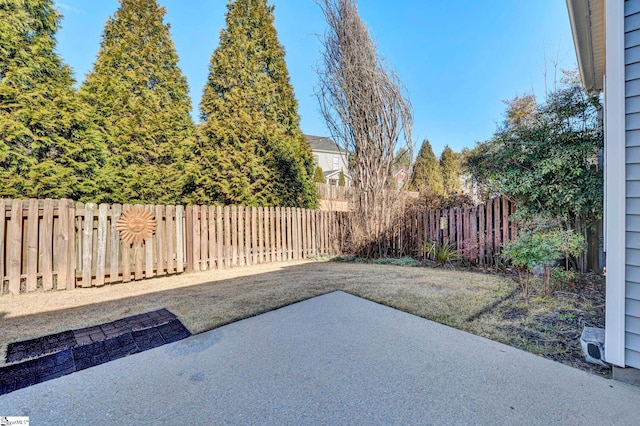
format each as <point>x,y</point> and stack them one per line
<point>63,353</point>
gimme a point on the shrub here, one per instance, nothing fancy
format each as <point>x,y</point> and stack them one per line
<point>541,248</point>
<point>563,277</point>
<point>469,252</point>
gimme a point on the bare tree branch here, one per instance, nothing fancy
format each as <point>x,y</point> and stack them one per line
<point>367,112</point>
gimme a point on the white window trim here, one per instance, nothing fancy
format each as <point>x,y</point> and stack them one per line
<point>615,184</point>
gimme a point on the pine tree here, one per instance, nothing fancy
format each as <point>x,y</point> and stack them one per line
<point>49,146</point>
<point>141,97</point>
<point>427,174</point>
<point>251,150</point>
<point>450,171</point>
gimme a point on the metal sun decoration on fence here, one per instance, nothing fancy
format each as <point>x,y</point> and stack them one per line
<point>136,225</point>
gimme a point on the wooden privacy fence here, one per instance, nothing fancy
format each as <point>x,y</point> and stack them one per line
<point>478,233</point>
<point>223,237</point>
<point>333,192</point>
<point>60,244</point>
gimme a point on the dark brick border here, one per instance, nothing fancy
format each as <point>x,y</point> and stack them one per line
<point>63,353</point>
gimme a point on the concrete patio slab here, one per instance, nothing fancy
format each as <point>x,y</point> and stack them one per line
<point>333,359</point>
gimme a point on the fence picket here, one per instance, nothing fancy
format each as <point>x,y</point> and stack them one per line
<point>139,251</point>
<point>3,221</point>
<point>497,233</point>
<point>180,241</point>
<point>46,245</point>
<point>170,231</point>
<point>254,235</point>
<point>14,260</point>
<point>87,244</point>
<point>220,236</point>
<point>205,256</point>
<point>504,223</point>
<point>148,249</point>
<point>278,225</point>
<point>234,235</point>
<point>126,254</point>
<point>195,238</point>
<point>114,252</point>
<point>260,235</point>
<point>101,253</point>
<point>32,245</point>
<point>214,260</point>
<point>247,236</point>
<point>188,236</point>
<point>286,233</point>
<point>482,234</point>
<point>226,222</point>
<point>61,244</point>
<point>161,244</point>
<point>240,243</point>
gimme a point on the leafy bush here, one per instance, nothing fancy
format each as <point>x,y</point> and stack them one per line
<point>541,248</point>
<point>469,252</point>
<point>563,277</point>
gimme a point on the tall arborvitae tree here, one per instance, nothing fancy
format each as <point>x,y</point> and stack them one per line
<point>319,177</point>
<point>251,150</point>
<point>141,97</point>
<point>450,171</point>
<point>49,146</point>
<point>427,174</point>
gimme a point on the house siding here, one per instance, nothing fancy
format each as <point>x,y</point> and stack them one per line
<point>632,172</point>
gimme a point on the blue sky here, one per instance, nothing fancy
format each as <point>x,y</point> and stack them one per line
<point>458,60</point>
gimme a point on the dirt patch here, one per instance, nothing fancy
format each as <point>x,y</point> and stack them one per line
<point>549,326</point>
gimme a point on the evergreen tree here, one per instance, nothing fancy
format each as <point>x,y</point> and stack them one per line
<point>450,171</point>
<point>141,97</point>
<point>49,146</point>
<point>252,151</point>
<point>402,160</point>
<point>319,178</point>
<point>341,180</point>
<point>427,173</point>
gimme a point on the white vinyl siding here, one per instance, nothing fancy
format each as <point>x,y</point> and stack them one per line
<point>632,174</point>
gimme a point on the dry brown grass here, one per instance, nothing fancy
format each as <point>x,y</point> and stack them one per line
<point>206,300</point>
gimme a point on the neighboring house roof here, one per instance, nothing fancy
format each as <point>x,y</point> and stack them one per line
<point>336,173</point>
<point>587,19</point>
<point>321,143</point>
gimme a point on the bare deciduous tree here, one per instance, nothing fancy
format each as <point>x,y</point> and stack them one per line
<point>369,116</point>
